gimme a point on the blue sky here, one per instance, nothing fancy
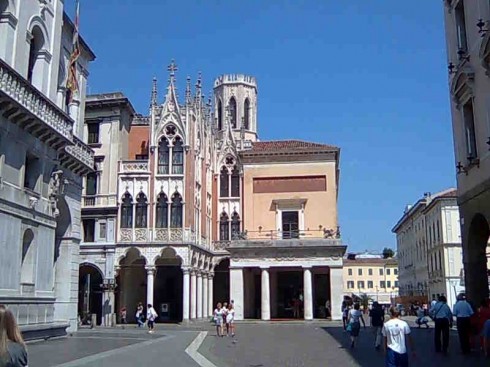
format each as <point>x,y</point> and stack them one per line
<point>368,76</point>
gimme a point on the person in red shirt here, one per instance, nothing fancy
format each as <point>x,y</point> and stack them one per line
<point>483,316</point>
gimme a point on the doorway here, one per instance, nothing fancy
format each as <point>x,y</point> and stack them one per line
<point>290,224</point>
<point>89,293</point>
<point>289,301</point>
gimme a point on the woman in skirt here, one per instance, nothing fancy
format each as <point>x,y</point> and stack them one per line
<point>218,319</point>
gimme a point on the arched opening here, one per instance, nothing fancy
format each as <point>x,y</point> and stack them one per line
<point>168,288</point>
<point>6,31</point>
<point>141,211</point>
<point>235,182</point>
<point>246,114</point>
<point>221,283</point>
<point>224,183</point>
<point>220,115</point>
<point>35,68</point>
<point>178,157</point>
<point>127,211</point>
<point>235,226</point>
<point>176,211</point>
<point>233,113</point>
<point>224,227</point>
<point>131,283</point>
<point>476,266</point>
<point>29,255</point>
<point>163,157</point>
<point>89,293</point>
<point>162,211</point>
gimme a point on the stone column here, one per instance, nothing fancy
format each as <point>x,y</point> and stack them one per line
<point>193,294</point>
<point>266,297</point>
<point>185,293</point>
<point>236,291</point>
<point>336,292</point>
<point>210,294</point>
<point>107,307</point>
<point>199,295</point>
<point>150,277</point>
<point>205,313</point>
<point>308,294</point>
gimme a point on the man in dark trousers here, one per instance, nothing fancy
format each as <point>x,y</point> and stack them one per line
<point>463,311</point>
<point>443,319</point>
<point>377,316</point>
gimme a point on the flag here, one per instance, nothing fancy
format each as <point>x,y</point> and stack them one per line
<point>72,81</point>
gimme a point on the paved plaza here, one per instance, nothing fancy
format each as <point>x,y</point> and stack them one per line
<point>256,345</point>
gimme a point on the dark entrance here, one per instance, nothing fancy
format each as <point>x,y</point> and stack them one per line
<point>290,225</point>
<point>289,294</point>
<point>321,293</point>
<point>89,293</point>
<point>168,287</point>
<point>221,284</point>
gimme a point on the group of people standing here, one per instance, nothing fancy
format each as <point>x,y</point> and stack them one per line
<point>224,319</point>
<point>150,318</point>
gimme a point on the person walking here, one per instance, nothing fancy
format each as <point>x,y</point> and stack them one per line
<point>218,319</point>
<point>396,332</point>
<point>13,352</point>
<point>151,316</point>
<point>224,312</point>
<point>443,319</point>
<point>463,311</point>
<point>377,319</point>
<point>123,314</point>
<point>230,320</point>
<point>139,315</point>
<point>354,326</point>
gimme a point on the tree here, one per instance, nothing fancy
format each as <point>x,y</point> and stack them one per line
<point>387,253</point>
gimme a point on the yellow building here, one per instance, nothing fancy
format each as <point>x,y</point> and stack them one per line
<point>375,277</point>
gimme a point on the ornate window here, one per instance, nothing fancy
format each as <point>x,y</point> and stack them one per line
<point>176,211</point>
<point>224,227</point>
<point>235,226</point>
<point>220,115</point>
<point>235,182</point>
<point>246,114</point>
<point>127,211</point>
<point>233,113</point>
<point>34,66</point>
<point>162,211</point>
<point>163,157</point>
<point>178,157</point>
<point>469,131</point>
<point>141,211</point>
<point>224,183</point>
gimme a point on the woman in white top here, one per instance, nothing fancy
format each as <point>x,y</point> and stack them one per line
<point>224,312</point>
<point>230,320</point>
<point>354,326</point>
<point>218,319</point>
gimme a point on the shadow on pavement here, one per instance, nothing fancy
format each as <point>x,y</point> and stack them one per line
<point>365,355</point>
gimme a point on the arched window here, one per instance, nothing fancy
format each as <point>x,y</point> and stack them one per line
<point>176,211</point>
<point>162,211</point>
<point>235,226</point>
<point>235,182</point>
<point>141,211</point>
<point>28,258</point>
<point>220,115</point>
<point>246,114</point>
<point>224,227</point>
<point>127,211</point>
<point>34,72</point>
<point>224,183</point>
<point>233,112</point>
<point>163,157</point>
<point>178,157</point>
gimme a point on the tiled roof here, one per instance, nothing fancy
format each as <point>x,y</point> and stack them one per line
<point>450,194</point>
<point>289,145</point>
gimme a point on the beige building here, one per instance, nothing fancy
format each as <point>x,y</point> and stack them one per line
<point>468,50</point>
<point>376,277</point>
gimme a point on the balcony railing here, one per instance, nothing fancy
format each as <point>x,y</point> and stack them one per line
<point>99,200</point>
<point>166,235</point>
<point>133,166</point>
<point>286,235</point>
<point>82,152</point>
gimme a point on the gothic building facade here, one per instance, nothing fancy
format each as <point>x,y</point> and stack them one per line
<point>205,212</point>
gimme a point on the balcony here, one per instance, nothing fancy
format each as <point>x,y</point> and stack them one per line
<point>22,104</point>
<point>134,167</point>
<point>96,201</point>
<point>165,235</point>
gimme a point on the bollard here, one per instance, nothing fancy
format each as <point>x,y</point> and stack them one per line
<point>113,320</point>
<point>93,320</point>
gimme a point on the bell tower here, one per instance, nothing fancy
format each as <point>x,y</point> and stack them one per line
<point>235,104</point>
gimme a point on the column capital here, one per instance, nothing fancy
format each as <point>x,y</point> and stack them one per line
<point>265,268</point>
<point>150,269</point>
<point>211,275</point>
<point>186,270</point>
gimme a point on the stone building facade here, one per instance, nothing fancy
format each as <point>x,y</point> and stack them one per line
<point>42,161</point>
<point>207,213</point>
<point>468,52</point>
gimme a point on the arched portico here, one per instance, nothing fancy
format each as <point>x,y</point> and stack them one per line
<point>221,291</point>
<point>90,292</point>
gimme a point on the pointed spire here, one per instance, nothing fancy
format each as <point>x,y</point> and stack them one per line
<point>172,68</point>
<point>197,98</point>
<point>154,93</point>
<point>188,93</point>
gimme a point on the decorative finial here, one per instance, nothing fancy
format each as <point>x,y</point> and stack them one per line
<point>188,93</point>
<point>154,92</point>
<point>172,68</point>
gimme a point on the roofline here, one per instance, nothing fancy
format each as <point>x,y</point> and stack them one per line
<point>438,199</point>
<point>408,214</point>
<point>66,18</point>
<point>119,100</point>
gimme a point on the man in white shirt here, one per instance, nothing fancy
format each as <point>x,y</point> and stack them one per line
<point>395,331</point>
<point>463,311</point>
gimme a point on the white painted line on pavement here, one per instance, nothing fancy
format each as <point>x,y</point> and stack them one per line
<point>192,351</point>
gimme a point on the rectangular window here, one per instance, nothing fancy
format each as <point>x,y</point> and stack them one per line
<point>370,284</point>
<point>382,284</point>
<point>349,271</point>
<point>370,271</point>
<point>103,231</point>
<point>388,284</point>
<point>359,271</point>
<point>461,27</point>
<point>141,157</point>
<point>380,271</point>
<point>395,271</point>
<point>290,225</point>
<point>350,284</point>
<point>91,184</point>
<point>388,271</point>
<point>32,171</point>
<point>396,283</point>
<point>93,132</point>
<point>88,230</point>
<point>469,130</point>
<point>360,284</point>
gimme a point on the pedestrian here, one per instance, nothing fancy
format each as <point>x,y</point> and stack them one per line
<point>140,315</point>
<point>230,320</point>
<point>421,319</point>
<point>354,325</point>
<point>443,319</point>
<point>151,316</point>
<point>123,313</point>
<point>345,312</point>
<point>484,326</point>
<point>327,309</point>
<point>377,319</point>
<point>218,319</point>
<point>433,302</point>
<point>396,332</point>
<point>224,312</point>
<point>463,311</point>
<point>13,351</point>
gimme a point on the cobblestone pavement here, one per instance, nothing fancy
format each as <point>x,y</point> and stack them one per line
<point>319,344</point>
